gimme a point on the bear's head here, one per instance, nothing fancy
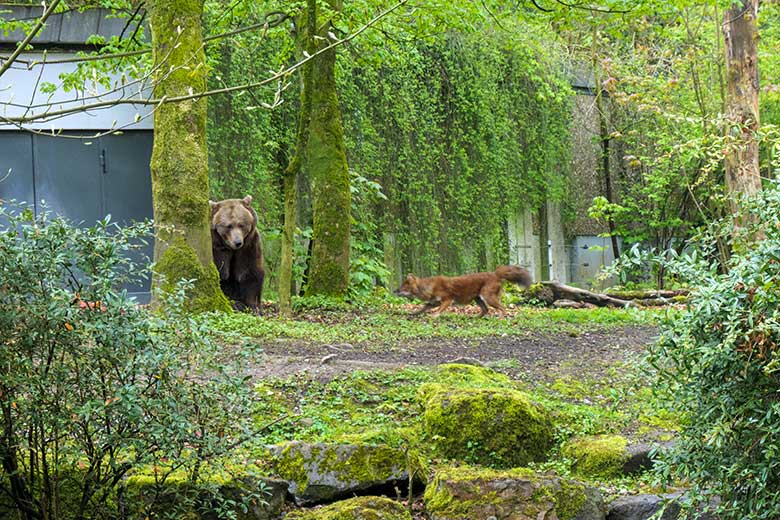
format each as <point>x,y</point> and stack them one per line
<point>233,220</point>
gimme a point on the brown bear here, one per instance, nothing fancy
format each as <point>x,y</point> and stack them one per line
<point>235,246</point>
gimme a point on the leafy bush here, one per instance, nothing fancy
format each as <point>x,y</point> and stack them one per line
<point>718,363</point>
<point>94,387</point>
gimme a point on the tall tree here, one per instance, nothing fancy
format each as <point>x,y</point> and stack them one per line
<point>180,188</point>
<point>324,158</point>
<point>321,154</point>
<point>741,36</point>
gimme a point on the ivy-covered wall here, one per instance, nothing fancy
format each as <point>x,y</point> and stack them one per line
<point>461,131</point>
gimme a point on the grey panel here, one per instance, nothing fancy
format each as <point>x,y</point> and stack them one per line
<point>127,181</point>
<point>68,178</point>
<point>127,188</point>
<point>16,167</point>
<point>71,27</point>
<point>109,26</point>
<point>78,26</point>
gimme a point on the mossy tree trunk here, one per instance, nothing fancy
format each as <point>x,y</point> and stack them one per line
<point>319,153</point>
<point>325,160</point>
<point>180,189</point>
<point>741,36</point>
<point>306,29</point>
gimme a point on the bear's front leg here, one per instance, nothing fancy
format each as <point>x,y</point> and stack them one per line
<point>222,261</point>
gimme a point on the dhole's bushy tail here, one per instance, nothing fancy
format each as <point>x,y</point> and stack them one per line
<point>515,274</point>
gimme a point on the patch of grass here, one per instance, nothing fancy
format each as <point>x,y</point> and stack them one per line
<point>361,403</point>
<point>388,323</point>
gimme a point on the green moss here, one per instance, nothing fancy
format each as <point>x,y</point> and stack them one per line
<point>598,457</point>
<point>290,465</point>
<point>180,262</point>
<point>359,508</point>
<point>467,493</point>
<point>568,387</point>
<point>455,374</point>
<point>497,427</point>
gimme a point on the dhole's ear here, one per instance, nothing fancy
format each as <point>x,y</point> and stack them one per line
<point>410,277</point>
<point>247,200</point>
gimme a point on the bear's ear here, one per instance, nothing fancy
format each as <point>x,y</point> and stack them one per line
<point>214,207</point>
<point>247,200</point>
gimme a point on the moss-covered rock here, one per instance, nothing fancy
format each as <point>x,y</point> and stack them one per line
<point>492,426</point>
<point>465,493</point>
<point>360,508</point>
<point>602,456</point>
<point>144,496</point>
<point>321,472</point>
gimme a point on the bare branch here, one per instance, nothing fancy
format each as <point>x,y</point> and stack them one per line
<point>35,30</point>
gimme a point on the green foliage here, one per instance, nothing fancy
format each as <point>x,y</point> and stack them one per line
<point>718,366</point>
<point>100,386</point>
<point>460,129</point>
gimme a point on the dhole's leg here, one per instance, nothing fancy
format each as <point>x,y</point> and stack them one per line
<point>482,306</point>
<point>444,305</point>
<point>492,296</point>
<point>427,306</point>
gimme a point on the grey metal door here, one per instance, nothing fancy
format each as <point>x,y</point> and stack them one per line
<point>83,180</point>
<point>127,187</point>
<point>67,178</point>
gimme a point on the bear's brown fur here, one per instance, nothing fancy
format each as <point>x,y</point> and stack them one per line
<point>235,246</point>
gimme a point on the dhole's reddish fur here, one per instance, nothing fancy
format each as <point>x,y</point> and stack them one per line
<point>481,288</point>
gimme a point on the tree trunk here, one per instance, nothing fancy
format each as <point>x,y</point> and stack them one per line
<point>180,188</point>
<point>741,161</point>
<point>325,160</point>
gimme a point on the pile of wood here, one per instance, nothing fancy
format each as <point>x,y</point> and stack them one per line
<point>566,296</point>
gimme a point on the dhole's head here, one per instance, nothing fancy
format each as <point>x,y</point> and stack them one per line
<point>409,288</point>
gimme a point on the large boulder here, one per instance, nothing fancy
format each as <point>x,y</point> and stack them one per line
<point>499,427</point>
<point>462,493</point>
<point>360,508</point>
<point>144,496</point>
<point>323,472</point>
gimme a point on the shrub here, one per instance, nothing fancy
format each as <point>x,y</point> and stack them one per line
<point>94,387</point>
<point>719,365</point>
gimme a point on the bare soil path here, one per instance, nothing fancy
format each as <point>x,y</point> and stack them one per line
<point>528,356</point>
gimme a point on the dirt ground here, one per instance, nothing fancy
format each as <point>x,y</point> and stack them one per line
<point>530,356</point>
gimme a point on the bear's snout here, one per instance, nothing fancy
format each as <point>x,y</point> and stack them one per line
<point>234,239</point>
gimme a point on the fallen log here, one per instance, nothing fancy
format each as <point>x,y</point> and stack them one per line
<point>649,294</point>
<point>559,291</point>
